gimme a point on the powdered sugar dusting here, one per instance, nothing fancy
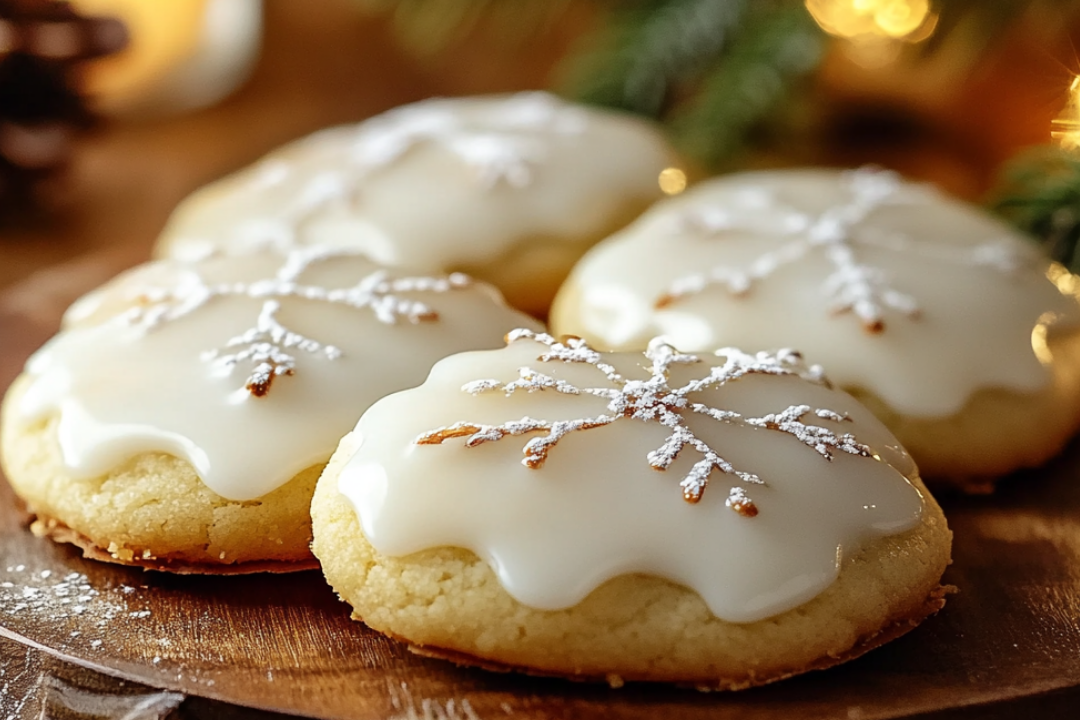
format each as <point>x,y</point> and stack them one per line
<point>854,286</point>
<point>269,347</point>
<point>500,146</point>
<point>740,502</point>
<point>18,688</point>
<point>655,400</point>
<point>503,148</point>
<point>407,706</point>
<point>67,598</point>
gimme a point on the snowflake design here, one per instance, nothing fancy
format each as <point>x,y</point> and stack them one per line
<point>854,287</point>
<point>655,400</point>
<point>504,151</point>
<point>502,147</point>
<point>268,347</point>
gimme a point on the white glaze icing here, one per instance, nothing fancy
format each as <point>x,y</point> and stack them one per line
<point>595,507</point>
<point>814,259</point>
<point>182,359</point>
<point>437,185</point>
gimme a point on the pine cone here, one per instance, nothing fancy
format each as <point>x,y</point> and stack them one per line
<point>42,43</point>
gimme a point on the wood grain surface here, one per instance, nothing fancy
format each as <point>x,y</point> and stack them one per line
<point>285,643</point>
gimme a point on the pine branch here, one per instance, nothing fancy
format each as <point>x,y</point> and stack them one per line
<point>647,48</point>
<point>1039,192</point>
<point>713,71</point>
<point>775,48</point>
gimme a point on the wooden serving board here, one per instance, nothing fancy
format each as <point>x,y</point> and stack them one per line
<point>285,643</point>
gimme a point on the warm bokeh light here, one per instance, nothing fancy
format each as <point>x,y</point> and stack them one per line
<point>1068,284</point>
<point>672,181</point>
<point>1065,128</point>
<point>1064,281</point>
<point>909,20</point>
<point>1039,344</point>
<point>181,54</point>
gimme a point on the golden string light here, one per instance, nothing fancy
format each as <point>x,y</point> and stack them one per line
<point>1064,281</point>
<point>1067,284</point>
<point>672,181</point>
<point>907,20</point>
<point>1040,343</point>
<point>1065,128</point>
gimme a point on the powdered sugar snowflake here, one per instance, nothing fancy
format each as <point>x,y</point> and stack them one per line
<point>268,346</point>
<point>504,150</point>
<point>502,143</point>
<point>655,400</point>
<point>853,286</point>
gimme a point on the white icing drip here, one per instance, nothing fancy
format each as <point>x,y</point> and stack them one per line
<point>653,400</point>
<point>980,287</point>
<point>853,286</point>
<point>595,510</point>
<point>126,382</point>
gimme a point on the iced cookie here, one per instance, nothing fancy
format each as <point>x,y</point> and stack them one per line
<point>510,189</point>
<point>944,321</point>
<point>719,521</point>
<point>181,418</point>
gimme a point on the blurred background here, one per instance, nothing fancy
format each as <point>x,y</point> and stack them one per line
<point>111,111</point>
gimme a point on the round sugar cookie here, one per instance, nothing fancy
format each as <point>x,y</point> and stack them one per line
<point>181,418</point>
<point>510,189</point>
<point>718,521</point>
<point>943,320</point>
